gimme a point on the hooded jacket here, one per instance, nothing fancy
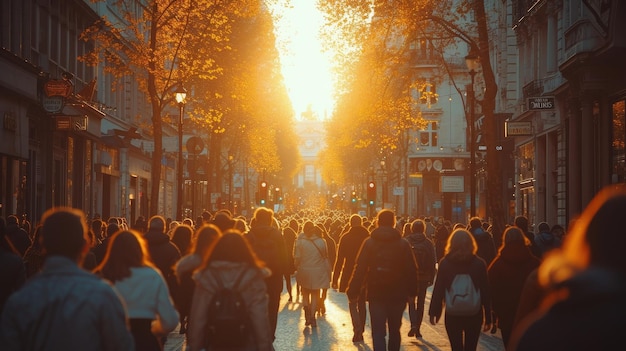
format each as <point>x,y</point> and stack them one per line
<point>163,253</point>
<point>486,247</point>
<point>384,238</point>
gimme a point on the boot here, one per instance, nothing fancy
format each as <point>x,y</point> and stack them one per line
<point>307,315</point>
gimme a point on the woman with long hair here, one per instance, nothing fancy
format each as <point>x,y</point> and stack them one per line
<point>150,309</point>
<point>507,274</point>
<point>460,258</point>
<point>206,237</point>
<point>231,262</point>
<point>310,256</point>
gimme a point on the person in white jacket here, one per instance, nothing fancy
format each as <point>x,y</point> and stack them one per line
<point>310,256</point>
<point>150,308</point>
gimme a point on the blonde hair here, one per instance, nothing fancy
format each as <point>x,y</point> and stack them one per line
<point>461,245</point>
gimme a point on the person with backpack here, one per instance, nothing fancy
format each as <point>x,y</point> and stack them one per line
<point>269,246</point>
<point>463,285</point>
<point>387,267</point>
<point>229,310</point>
<point>424,252</point>
<point>310,256</point>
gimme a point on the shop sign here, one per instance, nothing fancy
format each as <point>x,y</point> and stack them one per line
<point>52,104</point>
<point>57,87</point>
<point>518,129</point>
<point>70,122</point>
<point>541,103</point>
<point>452,184</point>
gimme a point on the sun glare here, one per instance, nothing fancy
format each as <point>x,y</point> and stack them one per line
<point>305,67</point>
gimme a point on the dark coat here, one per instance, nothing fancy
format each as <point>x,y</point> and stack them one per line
<point>19,238</point>
<point>425,265</point>
<point>448,269</point>
<point>349,246</point>
<point>164,254</point>
<point>259,236</point>
<point>12,274</point>
<point>590,318</point>
<point>441,240</point>
<point>384,238</point>
<point>507,276</point>
<point>486,247</point>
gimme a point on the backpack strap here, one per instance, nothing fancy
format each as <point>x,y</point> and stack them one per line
<point>318,249</point>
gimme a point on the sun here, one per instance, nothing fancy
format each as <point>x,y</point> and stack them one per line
<point>306,68</point>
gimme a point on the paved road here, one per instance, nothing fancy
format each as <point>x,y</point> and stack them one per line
<point>334,331</point>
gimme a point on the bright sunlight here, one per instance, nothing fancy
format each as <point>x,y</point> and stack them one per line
<point>305,67</point>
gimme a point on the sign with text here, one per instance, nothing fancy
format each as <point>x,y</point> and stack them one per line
<point>541,103</point>
<point>452,184</point>
<point>517,128</point>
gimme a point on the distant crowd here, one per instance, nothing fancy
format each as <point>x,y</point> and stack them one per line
<point>72,284</point>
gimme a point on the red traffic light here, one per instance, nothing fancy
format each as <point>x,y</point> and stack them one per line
<point>371,185</point>
<point>263,184</point>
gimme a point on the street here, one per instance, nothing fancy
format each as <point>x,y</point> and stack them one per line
<point>334,330</point>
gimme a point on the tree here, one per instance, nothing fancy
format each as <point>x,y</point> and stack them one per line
<point>445,23</point>
<point>164,42</point>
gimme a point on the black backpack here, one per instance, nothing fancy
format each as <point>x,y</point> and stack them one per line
<point>425,258</point>
<point>228,322</point>
<point>385,267</point>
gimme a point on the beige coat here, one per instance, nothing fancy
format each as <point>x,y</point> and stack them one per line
<point>313,268</point>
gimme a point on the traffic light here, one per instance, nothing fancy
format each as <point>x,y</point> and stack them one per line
<point>263,192</point>
<point>353,197</point>
<point>371,193</point>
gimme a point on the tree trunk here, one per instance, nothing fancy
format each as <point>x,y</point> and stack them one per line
<point>490,132</point>
<point>157,131</point>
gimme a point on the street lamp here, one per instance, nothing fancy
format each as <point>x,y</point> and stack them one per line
<point>181,94</point>
<point>471,60</point>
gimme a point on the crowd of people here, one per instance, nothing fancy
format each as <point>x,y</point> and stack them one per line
<point>106,285</point>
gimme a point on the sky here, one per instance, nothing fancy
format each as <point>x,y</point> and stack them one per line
<point>305,67</point>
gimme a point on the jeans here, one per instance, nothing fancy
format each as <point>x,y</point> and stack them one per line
<point>386,314</point>
<point>358,313</point>
<point>416,308</point>
<point>464,331</point>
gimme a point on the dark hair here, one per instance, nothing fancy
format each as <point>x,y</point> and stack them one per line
<point>126,249</point>
<point>418,226</point>
<point>206,237</point>
<point>233,247</point>
<point>64,232</point>
<point>386,218</point>
<point>263,216</point>
<point>182,238</point>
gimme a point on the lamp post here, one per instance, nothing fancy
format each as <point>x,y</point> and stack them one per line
<point>471,60</point>
<point>181,94</point>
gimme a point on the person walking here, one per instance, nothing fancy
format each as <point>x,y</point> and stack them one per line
<point>205,238</point>
<point>310,256</point>
<point>586,283</point>
<point>347,251</point>
<point>507,275</point>
<point>460,260</point>
<point>163,251</point>
<point>151,311</point>
<point>545,239</point>
<point>486,248</point>
<point>18,237</point>
<point>269,246</point>
<point>387,267</point>
<point>231,264</point>
<point>65,307</point>
<point>290,233</point>
<point>424,252</point>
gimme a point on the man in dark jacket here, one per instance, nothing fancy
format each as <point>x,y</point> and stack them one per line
<point>349,246</point>
<point>387,264</point>
<point>163,252</point>
<point>424,252</point>
<point>17,236</point>
<point>484,241</point>
<point>268,245</point>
